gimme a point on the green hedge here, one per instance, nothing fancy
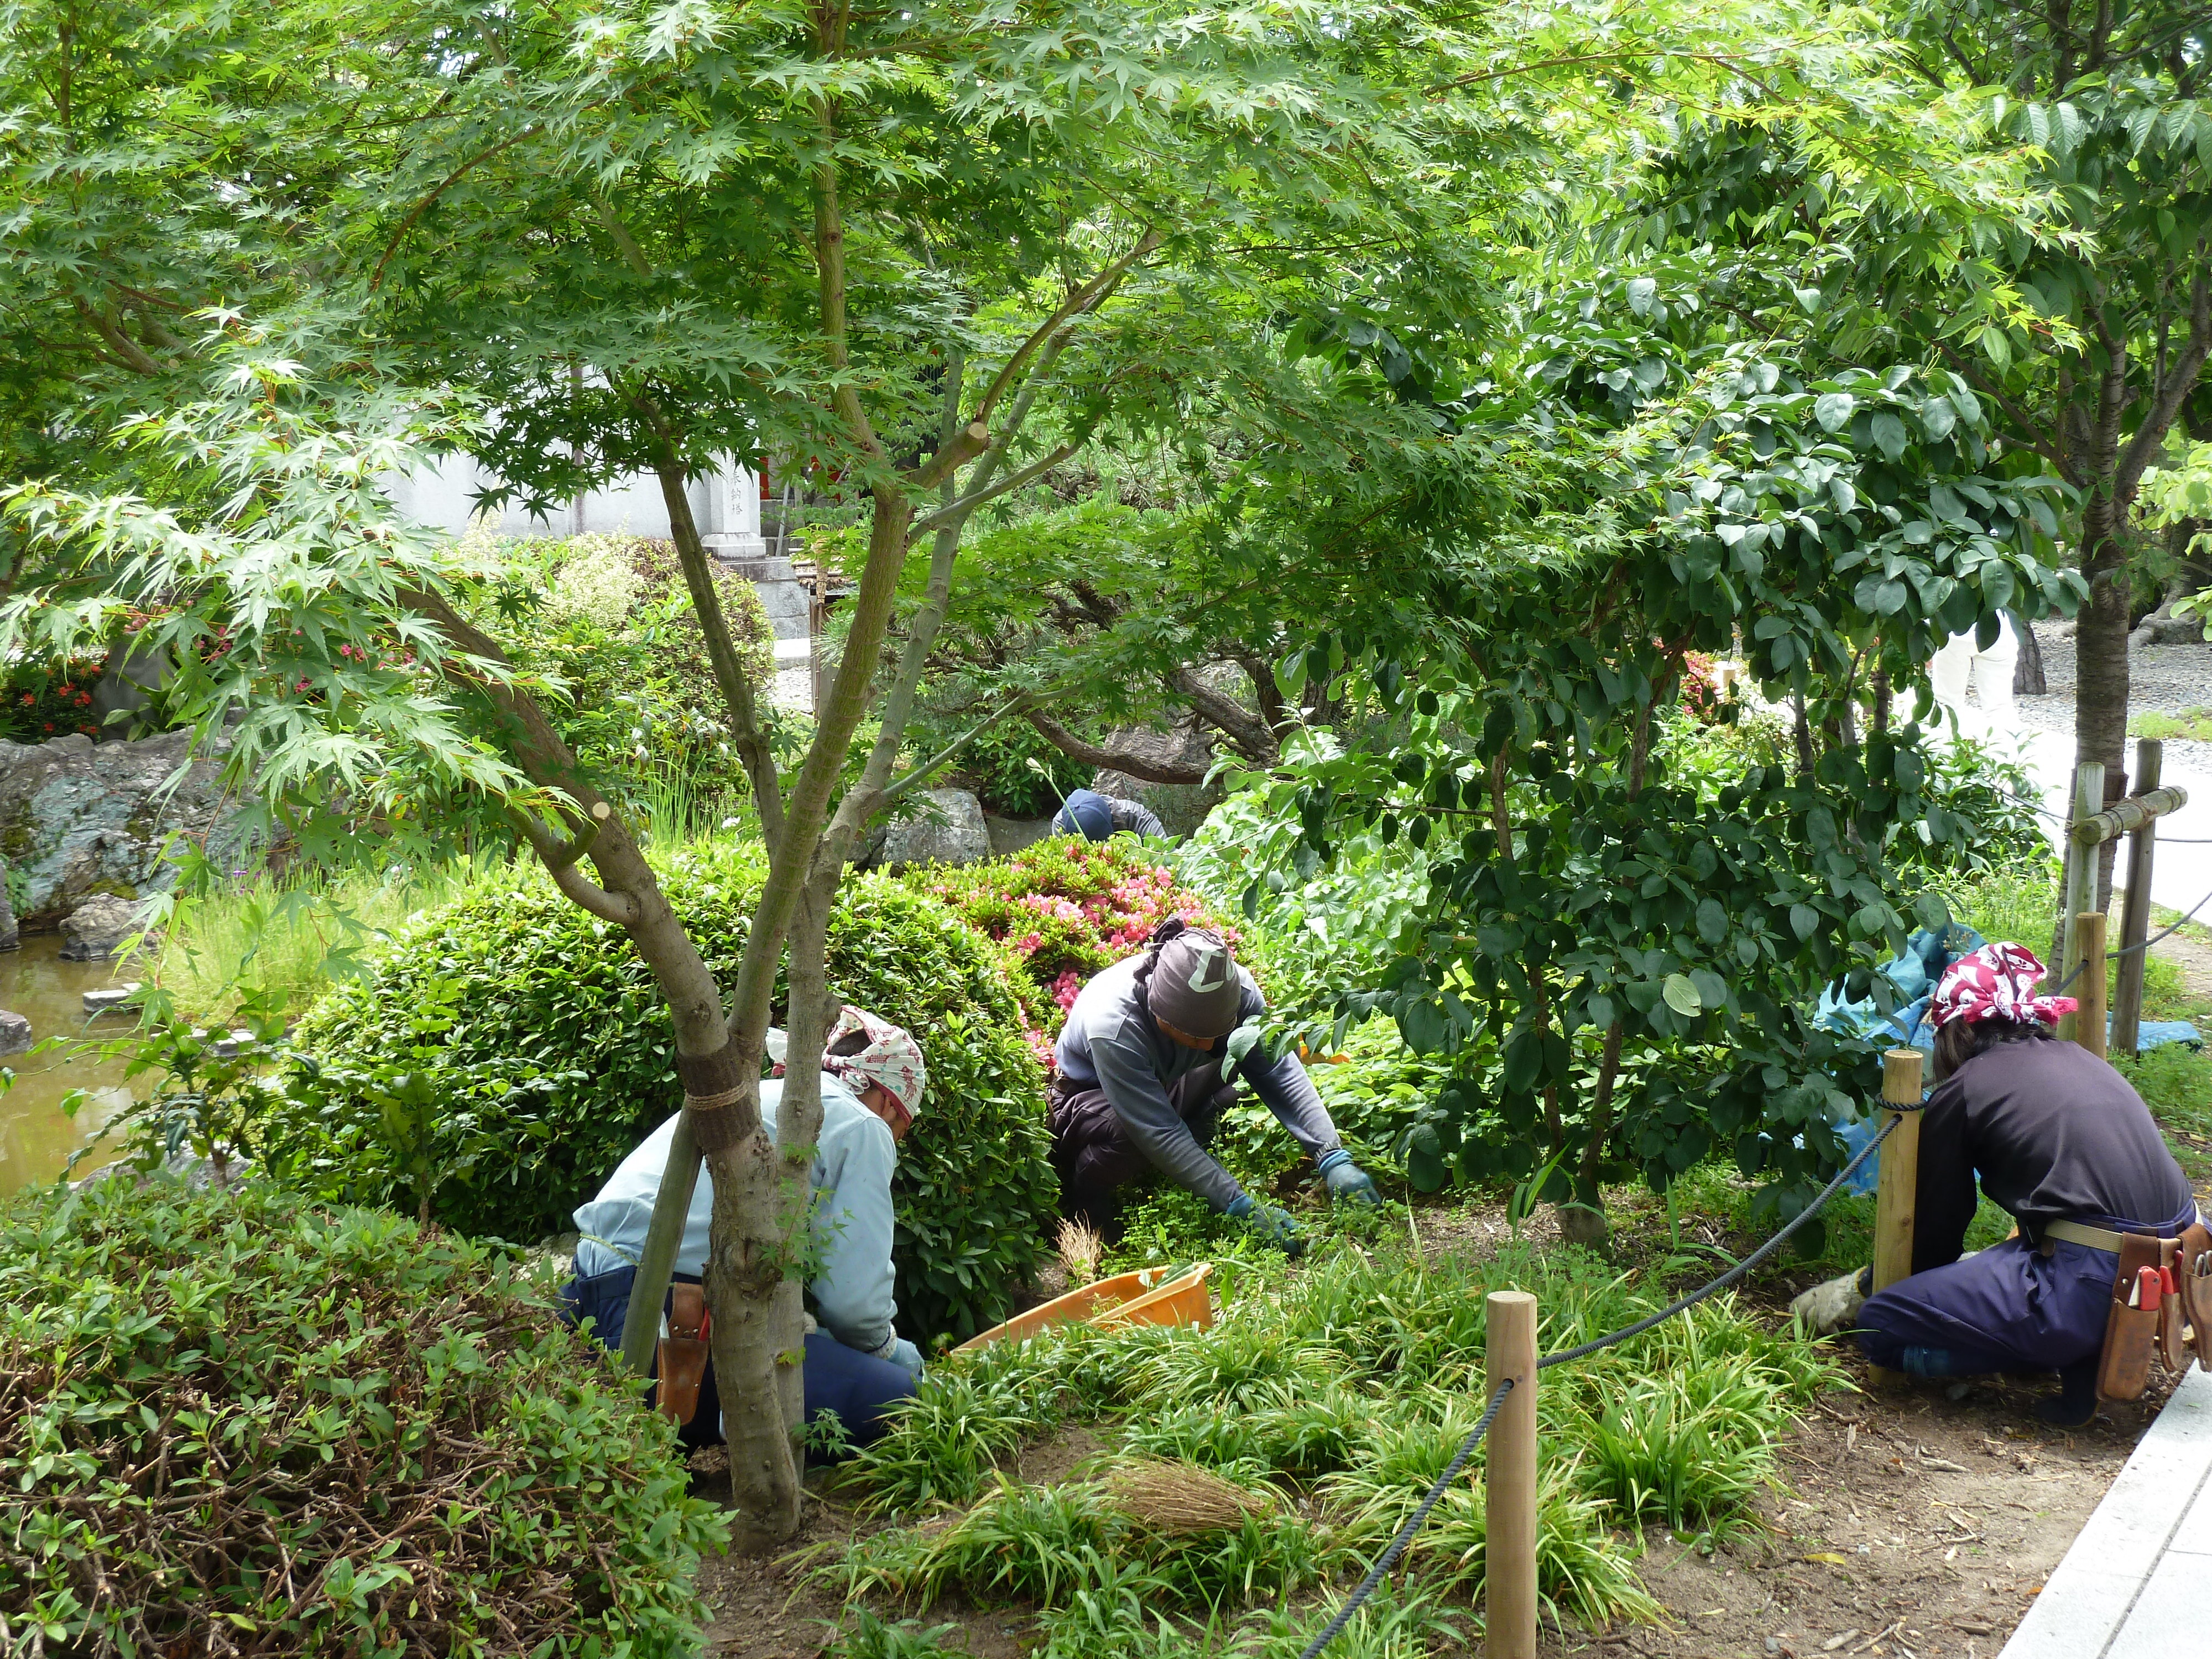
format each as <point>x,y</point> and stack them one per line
<point>240,1423</point>
<point>547,1052</point>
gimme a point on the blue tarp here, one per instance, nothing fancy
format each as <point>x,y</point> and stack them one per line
<point>1915,975</point>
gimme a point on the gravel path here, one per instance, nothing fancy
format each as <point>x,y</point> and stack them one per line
<point>2169,679</point>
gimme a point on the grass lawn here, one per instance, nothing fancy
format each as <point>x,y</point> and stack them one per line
<point>2194,724</point>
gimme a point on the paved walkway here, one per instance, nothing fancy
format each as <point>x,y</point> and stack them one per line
<point>2182,872</point>
<point>2133,1585</point>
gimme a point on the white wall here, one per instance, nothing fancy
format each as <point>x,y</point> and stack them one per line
<point>724,504</point>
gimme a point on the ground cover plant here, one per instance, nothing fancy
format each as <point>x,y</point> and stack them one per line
<point>1262,1462</point>
<point>531,1038</point>
<point>288,938</point>
<point>1065,907</point>
<point>242,1424</point>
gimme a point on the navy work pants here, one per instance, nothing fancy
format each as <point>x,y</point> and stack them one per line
<point>858,1388</point>
<point>2009,1308</point>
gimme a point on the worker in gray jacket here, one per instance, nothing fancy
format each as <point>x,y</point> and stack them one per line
<point>1142,1082</point>
<point>1095,817</point>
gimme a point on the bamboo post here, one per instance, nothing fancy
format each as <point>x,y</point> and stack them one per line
<point>2135,908</point>
<point>2089,989</point>
<point>1510,1577</point>
<point>2080,867</point>
<point>1898,1187</point>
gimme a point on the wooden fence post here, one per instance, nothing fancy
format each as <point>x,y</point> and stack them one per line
<point>2080,869</point>
<point>1510,1576</point>
<point>2135,908</point>
<point>1898,1187</point>
<point>2089,989</point>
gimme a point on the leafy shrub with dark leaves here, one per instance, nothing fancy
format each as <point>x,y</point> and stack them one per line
<point>546,1045</point>
<point>239,1423</point>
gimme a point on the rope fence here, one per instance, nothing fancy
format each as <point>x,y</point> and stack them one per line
<point>1414,1522</point>
<point>1511,1625</point>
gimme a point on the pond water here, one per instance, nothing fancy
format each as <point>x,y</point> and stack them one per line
<point>36,1137</point>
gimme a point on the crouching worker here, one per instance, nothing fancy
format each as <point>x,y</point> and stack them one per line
<point>1142,1085</point>
<point>1095,817</point>
<point>856,1364</point>
<point>2068,1149</point>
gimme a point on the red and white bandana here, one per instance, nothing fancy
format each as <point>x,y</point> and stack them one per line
<point>1997,981</point>
<point>892,1059</point>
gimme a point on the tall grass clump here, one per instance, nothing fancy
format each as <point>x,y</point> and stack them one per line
<point>291,935</point>
<point>1334,1394</point>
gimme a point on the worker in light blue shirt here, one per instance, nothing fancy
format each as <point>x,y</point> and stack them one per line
<point>856,1363</point>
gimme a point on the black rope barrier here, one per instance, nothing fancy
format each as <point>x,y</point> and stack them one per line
<point>1715,1286</point>
<point>2173,927</point>
<point>1389,1559</point>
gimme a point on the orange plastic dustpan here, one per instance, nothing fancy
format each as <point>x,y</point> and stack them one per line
<point>1150,1295</point>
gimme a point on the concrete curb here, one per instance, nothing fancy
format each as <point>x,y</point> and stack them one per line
<point>2131,1587</point>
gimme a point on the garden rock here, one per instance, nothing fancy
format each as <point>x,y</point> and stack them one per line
<point>10,937</point>
<point>2162,627</point>
<point>1010,835</point>
<point>948,829</point>
<point>96,928</point>
<point>108,1001</point>
<point>79,818</point>
<point>15,1032</point>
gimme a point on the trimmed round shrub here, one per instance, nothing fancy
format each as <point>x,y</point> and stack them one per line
<point>241,1423</point>
<point>542,1052</point>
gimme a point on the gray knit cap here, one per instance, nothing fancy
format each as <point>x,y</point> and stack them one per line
<point>1195,986</point>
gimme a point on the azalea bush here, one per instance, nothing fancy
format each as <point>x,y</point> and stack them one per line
<point>1063,908</point>
<point>40,701</point>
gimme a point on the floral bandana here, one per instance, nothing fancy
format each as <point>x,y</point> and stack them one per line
<point>1997,981</point>
<point>892,1059</point>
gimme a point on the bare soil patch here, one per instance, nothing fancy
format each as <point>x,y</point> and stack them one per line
<point>1914,1524</point>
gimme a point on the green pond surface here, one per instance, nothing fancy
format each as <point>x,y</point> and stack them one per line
<point>36,1137</point>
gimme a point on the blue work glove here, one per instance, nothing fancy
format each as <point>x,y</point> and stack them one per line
<point>1269,1223</point>
<point>903,1352</point>
<point>1347,1180</point>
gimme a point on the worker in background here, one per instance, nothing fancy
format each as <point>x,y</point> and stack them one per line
<point>856,1363</point>
<point>1097,817</point>
<point>1142,1082</point>
<point>2065,1146</point>
<point>1962,662</point>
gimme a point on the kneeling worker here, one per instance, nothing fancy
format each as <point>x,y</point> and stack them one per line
<point>857,1366</point>
<point>1141,1084</point>
<point>2064,1145</point>
<point>1095,817</point>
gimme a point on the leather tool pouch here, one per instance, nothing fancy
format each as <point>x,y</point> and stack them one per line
<point>2130,1334</point>
<point>2196,1290</point>
<point>2172,1346</point>
<point>683,1353</point>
